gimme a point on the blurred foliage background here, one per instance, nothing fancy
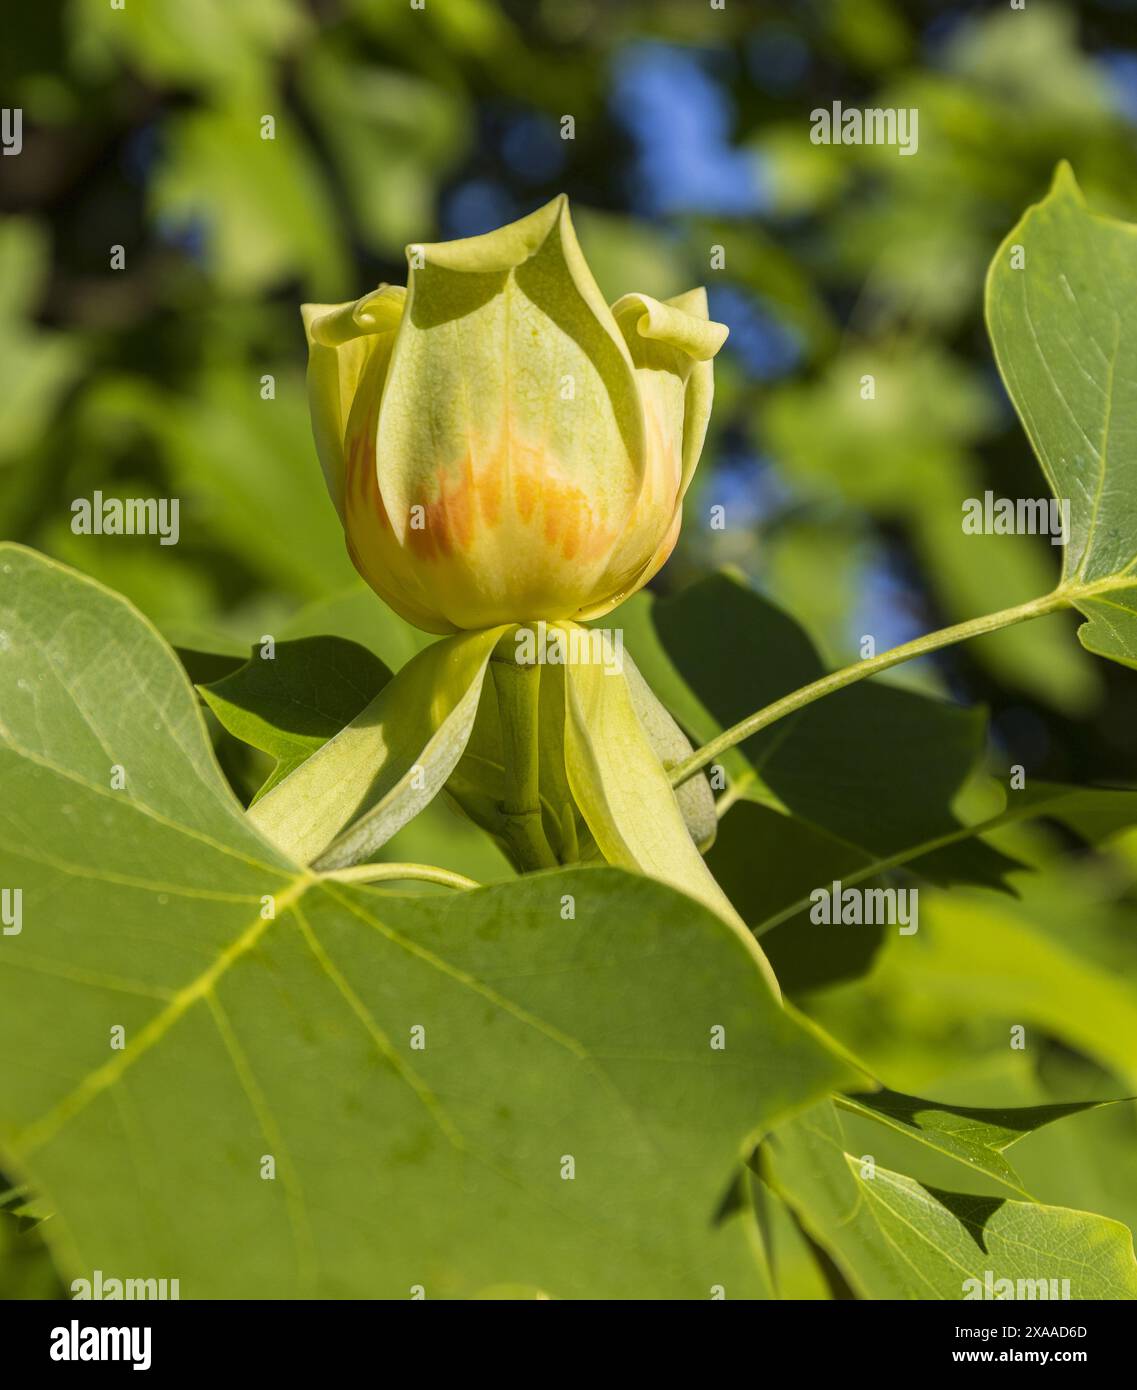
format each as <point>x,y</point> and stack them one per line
<point>396,124</point>
<point>392,124</point>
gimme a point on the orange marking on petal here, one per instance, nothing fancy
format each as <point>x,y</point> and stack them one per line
<point>513,492</point>
<point>489,494</point>
<point>526,490</point>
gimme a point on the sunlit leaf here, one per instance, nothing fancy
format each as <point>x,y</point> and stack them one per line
<point>565,1098</point>
<point>894,1238</point>
<point>976,1137</point>
<point>1058,309</point>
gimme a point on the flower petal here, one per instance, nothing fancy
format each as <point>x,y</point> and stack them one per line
<point>511,417</point>
<point>342,338</point>
<point>671,343</point>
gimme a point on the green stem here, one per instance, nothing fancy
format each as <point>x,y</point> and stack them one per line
<point>518,701</point>
<point>848,675</point>
<point>376,873</point>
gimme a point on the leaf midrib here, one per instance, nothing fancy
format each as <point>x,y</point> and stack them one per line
<point>35,1135</point>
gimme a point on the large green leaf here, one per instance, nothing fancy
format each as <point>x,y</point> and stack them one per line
<point>894,1238</point>
<point>1059,309</point>
<point>289,1033</point>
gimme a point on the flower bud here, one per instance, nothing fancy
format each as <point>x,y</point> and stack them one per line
<point>500,444</point>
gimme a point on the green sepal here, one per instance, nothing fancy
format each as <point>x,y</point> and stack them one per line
<point>349,798</point>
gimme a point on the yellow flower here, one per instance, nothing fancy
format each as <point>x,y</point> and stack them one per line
<point>501,444</point>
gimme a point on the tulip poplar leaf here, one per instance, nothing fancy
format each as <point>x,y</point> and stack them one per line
<point>1059,311</point>
<point>269,1013</point>
<point>894,1238</point>
<point>976,1137</point>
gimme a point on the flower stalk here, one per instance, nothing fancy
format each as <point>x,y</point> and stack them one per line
<point>518,699</point>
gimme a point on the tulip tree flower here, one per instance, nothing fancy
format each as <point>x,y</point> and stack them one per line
<point>508,454</point>
<point>500,444</point>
